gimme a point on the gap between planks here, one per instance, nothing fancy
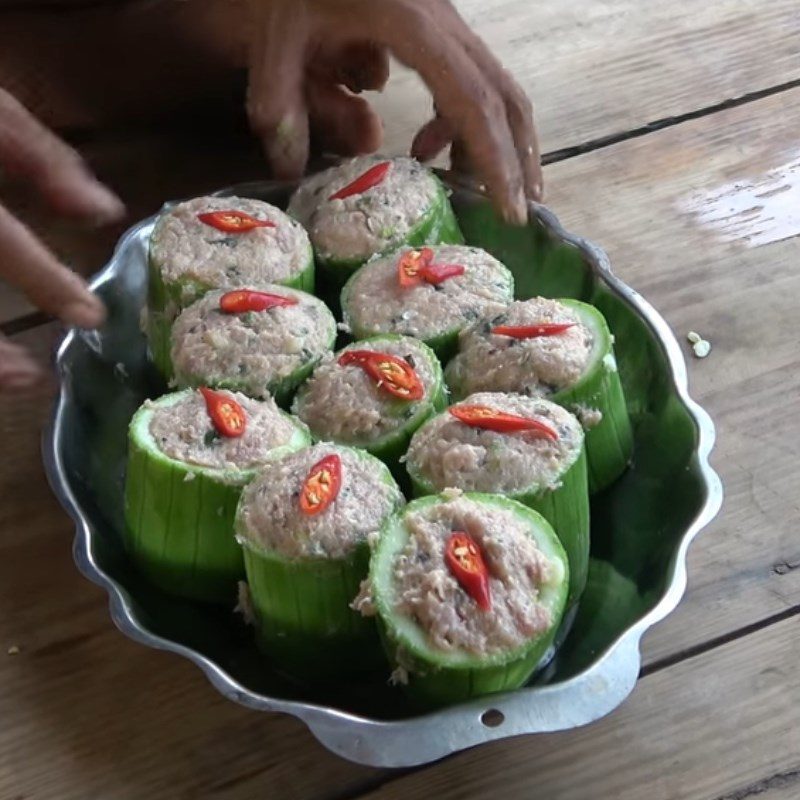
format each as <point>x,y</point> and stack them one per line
<point>563,153</point>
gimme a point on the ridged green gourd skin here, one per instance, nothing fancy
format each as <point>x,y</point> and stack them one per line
<point>281,389</point>
<point>436,678</point>
<point>391,447</point>
<point>565,507</point>
<point>609,443</point>
<point>179,516</point>
<point>304,623</point>
<point>166,300</point>
<point>437,226</point>
<point>444,344</point>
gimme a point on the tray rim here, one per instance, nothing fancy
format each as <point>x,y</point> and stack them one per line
<point>578,701</point>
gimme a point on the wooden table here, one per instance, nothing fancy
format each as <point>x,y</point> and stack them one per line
<point>671,137</point>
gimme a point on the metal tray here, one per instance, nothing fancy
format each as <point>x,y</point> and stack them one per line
<point>641,526</point>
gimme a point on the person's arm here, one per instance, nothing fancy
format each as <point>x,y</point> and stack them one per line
<point>308,60</point>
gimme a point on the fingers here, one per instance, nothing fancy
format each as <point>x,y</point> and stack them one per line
<point>28,150</point>
<point>459,160</point>
<point>518,109</point>
<point>18,371</point>
<point>344,123</point>
<point>27,264</point>
<point>363,66</point>
<point>275,96</point>
<point>465,98</point>
<point>431,139</point>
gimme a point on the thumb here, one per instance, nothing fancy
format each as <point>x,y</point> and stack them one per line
<point>275,95</point>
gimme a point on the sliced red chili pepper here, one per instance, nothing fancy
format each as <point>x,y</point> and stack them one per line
<point>392,374</point>
<point>492,420</point>
<point>227,415</point>
<point>372,177</point>
<point>321,486</point>
<point>233,221</point>
<point>438,273</point>
<point>411,265</point>
<point>533,331</point>
<point>464,559</point>
<point>240,301</point>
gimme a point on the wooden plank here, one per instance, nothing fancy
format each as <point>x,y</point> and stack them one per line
<point>717,727</point>
<point>88,713</point>
<point>655,204</point>
<point>593,69</point>
<point>742,570</point>
<point>112,719</point>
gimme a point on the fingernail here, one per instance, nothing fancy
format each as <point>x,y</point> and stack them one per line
<point>517,213</point>
<point>354,79</point>
<point>536,193</point>
<point>282,149</point>
<point>284,133</point>
<point>84,313</point>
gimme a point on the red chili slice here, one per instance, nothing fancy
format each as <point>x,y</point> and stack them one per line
<point>321,486</point>
<point>411,265</point>
<point>533,331</point>
<point>492,420</point>
<point>372,177</point>
<point>392,374</point>
<point>240,301</point>
<point>464,559</point>
<point>226,414</point>
<point>233,221</point>
<point>438,273</point>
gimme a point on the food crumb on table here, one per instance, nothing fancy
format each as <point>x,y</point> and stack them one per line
<point>14,650</point>
<point>700,346</point>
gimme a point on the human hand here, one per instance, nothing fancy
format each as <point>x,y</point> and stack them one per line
<point>29,152</point>
<point>310,58</point>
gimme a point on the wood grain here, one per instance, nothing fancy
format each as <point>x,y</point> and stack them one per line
<point>89,714</point>
<point>640,200</point>
<point>594,69</point>
<point>683,734</point>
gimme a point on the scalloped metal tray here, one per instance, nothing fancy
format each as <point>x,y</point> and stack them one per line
<point>641,526</point>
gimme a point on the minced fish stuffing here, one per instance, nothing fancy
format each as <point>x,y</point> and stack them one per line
<point>448,453</point>
<point>346,404</point>
<point>182,247</point>
<point>540,365</point>
<point>369,222</point>
<point>270,510</point>
<point>426,590</point>
<point>255,348</point>
<point>377,303</point>
<point>183,431</point>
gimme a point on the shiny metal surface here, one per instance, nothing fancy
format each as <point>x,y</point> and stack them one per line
<point>642,526</point>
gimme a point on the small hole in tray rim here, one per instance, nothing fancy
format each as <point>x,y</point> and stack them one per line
<point>493,718</point>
